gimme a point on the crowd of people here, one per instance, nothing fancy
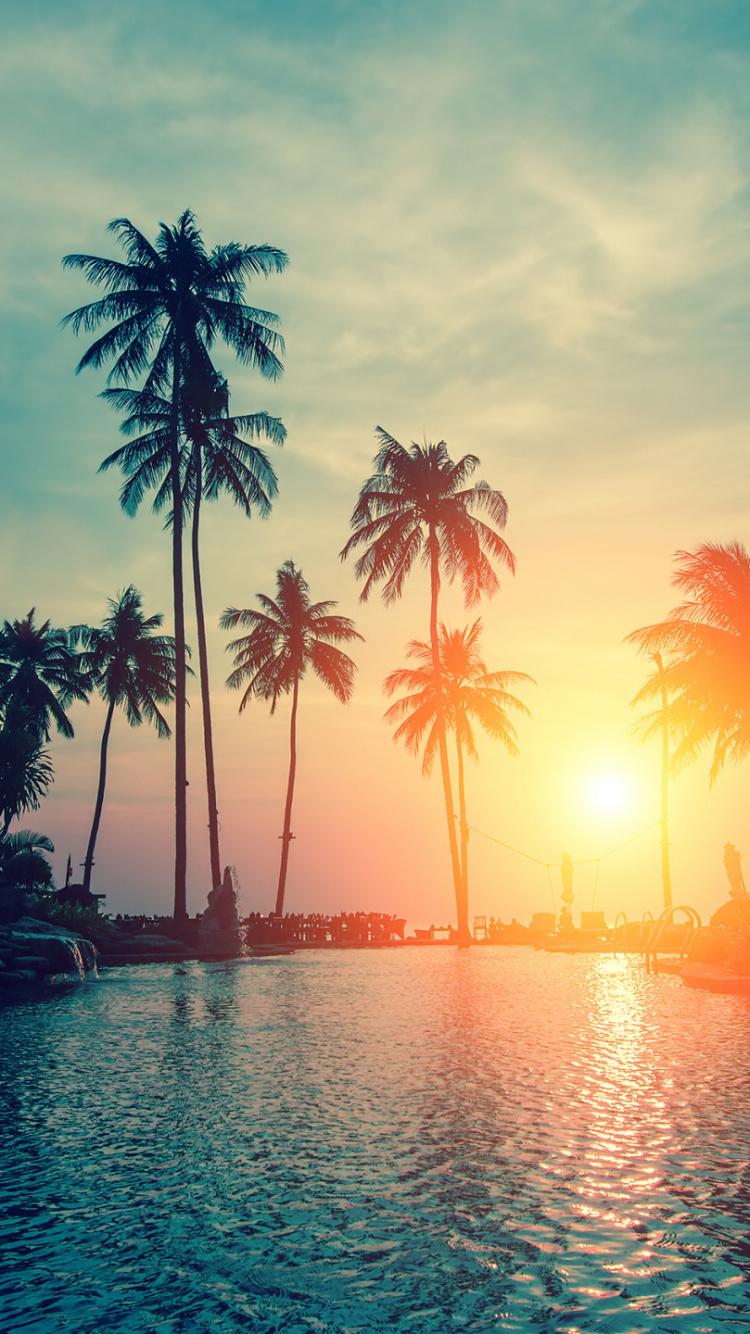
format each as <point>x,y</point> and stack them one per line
<point>360,928</point>
<point>353,928</point>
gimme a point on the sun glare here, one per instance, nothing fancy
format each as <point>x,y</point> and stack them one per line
<point>608,793</point>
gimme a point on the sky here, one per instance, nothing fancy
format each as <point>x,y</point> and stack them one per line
<point>520,226</point>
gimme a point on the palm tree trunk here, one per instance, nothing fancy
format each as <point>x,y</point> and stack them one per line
<point>208,744</point>
<point>463,826</point>
<point>89,859</point>
<point>462,909</point>
<point>666,875</point>
<point>180,776</point>
<point>286,837</point>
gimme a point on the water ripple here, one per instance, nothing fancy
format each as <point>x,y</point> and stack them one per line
<point>404,1140</point>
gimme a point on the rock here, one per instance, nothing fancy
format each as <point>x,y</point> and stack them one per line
<point>39,963</point>
<point>31,926</point>
<point>61,950</point>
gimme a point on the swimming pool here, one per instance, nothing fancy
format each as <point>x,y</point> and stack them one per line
<point>406,1139</point>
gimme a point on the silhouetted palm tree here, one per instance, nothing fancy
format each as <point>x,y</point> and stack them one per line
<point>707,676</point>
<point>40,676</point>
<point>286,637</point>
<point>168,304</point>
<point>468,692</point>
<point>214,459</point>
<point>25,773</point>
<point>130,667</point>
<point>417,506</point>
<point>22,860</point>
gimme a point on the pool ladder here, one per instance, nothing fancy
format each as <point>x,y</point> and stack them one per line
<point>628,939</point>
<point>690,935</point>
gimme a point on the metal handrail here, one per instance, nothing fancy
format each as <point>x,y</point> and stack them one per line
<point>624,930</point>
<point>665,920</point>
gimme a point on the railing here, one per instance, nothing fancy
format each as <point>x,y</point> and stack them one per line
<point>620,918</point>
<point>690,932</point>
<point>480,931</point>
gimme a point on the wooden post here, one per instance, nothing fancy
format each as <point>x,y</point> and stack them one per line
<point>665,869</point>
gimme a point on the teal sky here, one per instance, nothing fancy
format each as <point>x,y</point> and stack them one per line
<point>521,227</point>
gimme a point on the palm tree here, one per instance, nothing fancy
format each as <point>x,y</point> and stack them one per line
<point>417,506</point>
<point>286,637</point>
<point>40,676</point>
<point>707,676</point>
<point>168,304</point>
<point>22,860</point>
<point>133,668</point>
<point>25,773</point>
<point>214,459</point>
<point>462,693</point>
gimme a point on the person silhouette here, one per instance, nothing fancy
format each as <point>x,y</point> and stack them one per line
<point>733,867</point>
<point>565,923</point>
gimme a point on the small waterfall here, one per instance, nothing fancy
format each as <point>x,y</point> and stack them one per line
<point>67,955</point>
<point>84,968</point>
<point>245,951</point>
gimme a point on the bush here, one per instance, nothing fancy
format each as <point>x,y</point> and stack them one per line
<point>14,903</point>
<point>85,922</point>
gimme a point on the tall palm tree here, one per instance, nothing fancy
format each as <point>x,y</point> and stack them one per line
<point>215,459</point>
<point>132,668</point>
<point>40,676</point>
<point>464,692</point>
<point>286,637</point>
<point>417,506</point>
<point>168,304</point>
<point>707,676</point>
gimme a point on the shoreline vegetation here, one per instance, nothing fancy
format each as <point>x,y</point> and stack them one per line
<point>164,308</point>
<point>37,955</point>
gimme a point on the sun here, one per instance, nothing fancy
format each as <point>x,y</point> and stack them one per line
<point>608,793</point>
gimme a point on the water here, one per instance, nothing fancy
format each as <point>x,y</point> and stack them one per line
<point>399,1140</point>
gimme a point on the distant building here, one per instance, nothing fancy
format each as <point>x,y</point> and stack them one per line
<point>78,897</point>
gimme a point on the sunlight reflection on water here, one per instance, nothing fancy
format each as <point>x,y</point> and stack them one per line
<point>405,1139</point>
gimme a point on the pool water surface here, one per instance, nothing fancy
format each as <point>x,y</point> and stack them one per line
<point>404,1139</point>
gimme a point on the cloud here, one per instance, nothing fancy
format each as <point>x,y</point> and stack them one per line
<point>617,241</point>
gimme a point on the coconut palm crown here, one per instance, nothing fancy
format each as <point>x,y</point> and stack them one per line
<point>25,773</point>
<point>22,860</point>
<point>40,676</point>
<point>417,506</point>
<point>129,665</point>
<point>707,672</point>
<point>214,456</point>
<point>286,637</point>
<point>470,693</point>
<point>172,297</point>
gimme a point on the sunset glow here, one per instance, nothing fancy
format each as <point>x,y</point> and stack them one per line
<point>609,793</point>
